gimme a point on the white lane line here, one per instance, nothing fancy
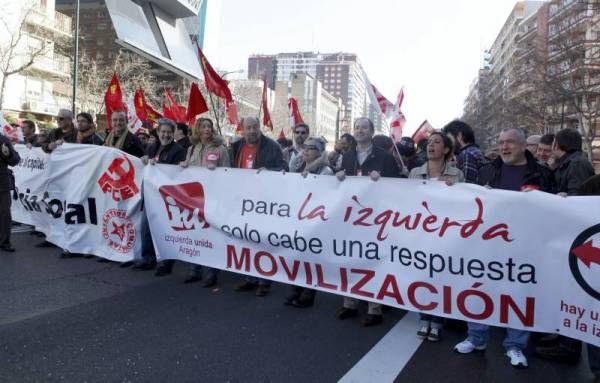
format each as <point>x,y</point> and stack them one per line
<point>384,362</point>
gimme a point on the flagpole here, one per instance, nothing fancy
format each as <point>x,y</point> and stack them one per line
<point>212,103</point>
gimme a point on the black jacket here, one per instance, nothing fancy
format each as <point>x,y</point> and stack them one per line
<point>268,154</point>
<point>378,160</point>
<point>132,145</point>
<point>537,174</point>
<point>572,171</point>
<point>57,134</point>
<point>6,181</point>
<point>185,143</point>
<point>171,154</point>
<point>92,139</point>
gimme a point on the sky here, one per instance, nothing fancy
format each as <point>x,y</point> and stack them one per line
<point>432,48</point>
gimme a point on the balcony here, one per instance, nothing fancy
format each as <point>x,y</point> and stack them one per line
<point>58,23</point>
<point>59,66</point>
<point>38,106</point>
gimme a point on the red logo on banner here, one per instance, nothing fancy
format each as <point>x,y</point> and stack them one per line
<point>118,230</point>
<point>119,180</point>
<point>185,205</point>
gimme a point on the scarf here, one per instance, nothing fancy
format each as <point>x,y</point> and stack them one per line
<point>120,141</point>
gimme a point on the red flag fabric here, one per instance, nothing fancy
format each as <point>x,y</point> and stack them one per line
<point>113,99</point>
<point>231,111</point>
<point>398,118</point>
<point>424,130</point>
<point>214,83</point>
<point>295,117</point>
<point>144,111</point>
<point>282,135</point>
<point>385,105</point>
<point>196,104</point>
<point>265,107</point>
<point>172,110</point>
<point>14,133</point>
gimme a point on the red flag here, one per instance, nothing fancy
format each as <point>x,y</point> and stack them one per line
<point>282,135</point>
<point>398,118</point>
<point>295,117</point>
<point>144,111</point>
<point>113,99</point>
<point>14,133</point>
<point>231,111</point>
<point>265,107</point>
<point>172,110</point>
<point>424,130</point>
<point>385,105</point>
<point>196,104</point>
<point>214,83</point>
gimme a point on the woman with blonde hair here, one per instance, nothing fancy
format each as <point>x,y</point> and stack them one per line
<point>206,150</point>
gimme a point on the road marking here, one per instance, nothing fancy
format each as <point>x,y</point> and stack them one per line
<point>384,362</point>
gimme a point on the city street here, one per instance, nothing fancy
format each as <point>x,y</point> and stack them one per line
<point>78,320</point>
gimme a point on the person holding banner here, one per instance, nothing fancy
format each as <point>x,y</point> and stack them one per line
<point>206,150</point>
<point>256,151</point>
<point>314,161</point>
<point>365,160</point>
<point>516,169</point>
<point>8,157</point>
<point>121,138</point>
<point>437,168</point>
<point>165,151</point>
<point>65,132</point>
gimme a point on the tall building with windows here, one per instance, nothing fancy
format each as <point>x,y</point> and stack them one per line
<point>37,89</point>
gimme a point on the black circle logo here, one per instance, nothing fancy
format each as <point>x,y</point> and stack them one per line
<point>583,252</point>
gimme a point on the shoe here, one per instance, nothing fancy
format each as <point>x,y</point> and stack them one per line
<point>547,340</point>
<point>434,335</point>
<point>517,359</point>
<point>302,303</point>
<point>245,286</point>
<point>162,271</point>
<point>345,313</point>
<point>126,264</point>
<point>7,247</point>
<point>144,266</point>
<point>558,353</point>
<point>466,347</point>
<point>44,244</point>
<point>210,282</point>
<point>262,290</point>
<point>370,320</point>
<point>192,279</point>
<point>290,298</point>
<point>423,332</point>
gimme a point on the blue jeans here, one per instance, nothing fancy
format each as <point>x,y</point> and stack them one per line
<point>431,321</point>
<point>479,335</point>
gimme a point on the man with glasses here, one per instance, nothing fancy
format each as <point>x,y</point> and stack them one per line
<point>87,130</point>
<point>65,132</point>
<point>301,132</point>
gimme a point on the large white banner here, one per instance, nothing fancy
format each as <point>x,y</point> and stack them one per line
<point>521,260</point>
<point>86,199</point>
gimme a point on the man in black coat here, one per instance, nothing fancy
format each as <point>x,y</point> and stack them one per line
<point>164,151</point>
<point>255,151</point>
<point>573,166</point>
<point>366,160</point>
<point>8,157</point>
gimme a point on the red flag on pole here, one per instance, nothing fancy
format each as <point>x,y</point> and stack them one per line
<point>231,111</point>
<point>113,99</point>
<point>196,104</point>
<point>172,110</point>
<point>282,135</point>
<point>265,107</point>
<point>214,83</point>
<point>398,118</point>
<point>295,117</point>
<point>385,105</point>
<point>424,130</point>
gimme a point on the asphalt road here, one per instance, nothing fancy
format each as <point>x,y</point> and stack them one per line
<point>78,320</point>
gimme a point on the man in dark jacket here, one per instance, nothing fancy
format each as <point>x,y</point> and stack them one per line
<point>8,157</point>
<point>29,136</point>
<point>65,132</point>
<point>255,151</point>
<point>121,138</point>
<point>573,166</point>
<point>165,151</point>
<point>515,169</point>
<point>182,135</point>
<point>469,158</point>
<point>87,130</point>
<point>372,161</point>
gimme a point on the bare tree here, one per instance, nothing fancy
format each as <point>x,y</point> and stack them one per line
<point>22,47</point>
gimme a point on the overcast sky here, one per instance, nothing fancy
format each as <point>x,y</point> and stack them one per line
<point>432,48</point>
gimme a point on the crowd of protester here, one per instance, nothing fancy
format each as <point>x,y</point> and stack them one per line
<point>552,163</point>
